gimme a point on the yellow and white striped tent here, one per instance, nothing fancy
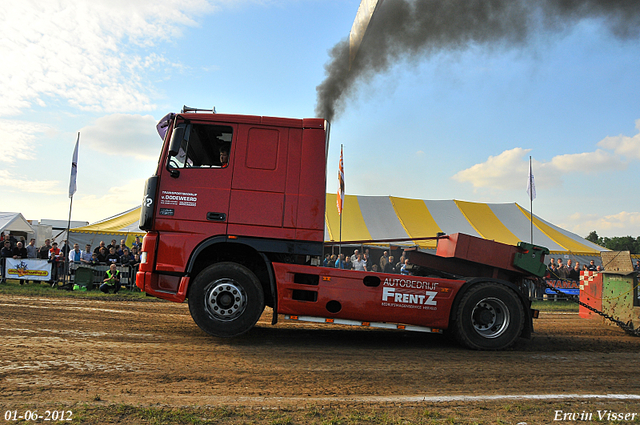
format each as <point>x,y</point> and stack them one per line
<point>368,218</point>
<point>119,226</point>
<point>389,217</point>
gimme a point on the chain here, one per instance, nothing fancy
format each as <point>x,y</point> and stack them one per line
<point>627,327</point>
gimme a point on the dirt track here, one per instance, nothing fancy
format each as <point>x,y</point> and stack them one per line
<point>62,350</point>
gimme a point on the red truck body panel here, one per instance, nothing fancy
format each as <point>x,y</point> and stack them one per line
<point>470,256</point>
<point>477,250</point>
<point>357,295</point>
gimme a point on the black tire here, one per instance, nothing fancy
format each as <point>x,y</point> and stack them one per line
<point>226,300</point>
<point>489,316</point>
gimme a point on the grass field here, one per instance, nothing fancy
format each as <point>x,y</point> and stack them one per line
<point>555,306</point>
<point>444,413</point>
<point>46,290</point>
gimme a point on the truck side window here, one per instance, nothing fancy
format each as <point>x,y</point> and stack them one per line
<point>207,146</point>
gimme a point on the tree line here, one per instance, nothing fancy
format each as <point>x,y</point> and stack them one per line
<point>616,243</point>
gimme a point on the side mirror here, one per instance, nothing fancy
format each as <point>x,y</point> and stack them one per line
<point>177,136</point>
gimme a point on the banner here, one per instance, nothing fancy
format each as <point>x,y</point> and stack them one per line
<point>531,183</point>
<point>569,287</point>
<point>27,269</point>
<point>74,169</point>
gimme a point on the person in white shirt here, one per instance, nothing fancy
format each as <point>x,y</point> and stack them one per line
<point>75,254</point>
<point>359,263</point>
<point>354,256</point>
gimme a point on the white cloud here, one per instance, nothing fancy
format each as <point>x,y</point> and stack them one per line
<point>17,139</point>
<point>509,170</point>
<point>497,171</point>
<point>500,172</point>
<point>623,145</point>
<point>124,135</point>
<point>9,181</point>
<point>587,162</point>
<point>85,52</point>
<point>620,224</point>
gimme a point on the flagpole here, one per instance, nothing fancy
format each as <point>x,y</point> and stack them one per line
<point>531,195</point>
<point>66,256</point>
<point>340,200</point>
<point>340,246</point>
<point>341,204</point>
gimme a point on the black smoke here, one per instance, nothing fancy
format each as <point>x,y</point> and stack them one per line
<point>415,29</point>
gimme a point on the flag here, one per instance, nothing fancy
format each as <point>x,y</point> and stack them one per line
<point>531,184</point>
<point>340,200</point>
<point>74,169</point>
<point>163,124</point>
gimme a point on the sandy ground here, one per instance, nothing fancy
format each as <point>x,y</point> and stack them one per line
<point>69,351</point>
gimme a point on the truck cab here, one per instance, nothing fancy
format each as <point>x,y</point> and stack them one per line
<point>232,188</point>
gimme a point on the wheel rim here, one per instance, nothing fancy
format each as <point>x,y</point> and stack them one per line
<point>490,317</point>
<point>225,300</point>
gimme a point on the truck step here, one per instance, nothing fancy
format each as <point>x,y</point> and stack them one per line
<point>382,325</point>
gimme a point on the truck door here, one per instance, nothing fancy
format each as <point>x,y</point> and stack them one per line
<point>194,192</point>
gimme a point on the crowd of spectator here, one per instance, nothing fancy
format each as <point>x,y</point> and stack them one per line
<point>363,262</point>
<point>119,254</point>
<point>67,257</point>
<point>556,269</point>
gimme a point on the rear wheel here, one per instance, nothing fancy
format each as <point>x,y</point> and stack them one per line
<point>490,316</point>
<point>226,299</point>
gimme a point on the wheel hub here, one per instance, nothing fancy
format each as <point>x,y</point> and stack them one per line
<point>225,299</point>
<point>490,317</point>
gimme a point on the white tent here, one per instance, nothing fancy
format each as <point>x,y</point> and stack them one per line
<point>15,223</point>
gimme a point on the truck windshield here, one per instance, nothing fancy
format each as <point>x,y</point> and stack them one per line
<point>204,146</point>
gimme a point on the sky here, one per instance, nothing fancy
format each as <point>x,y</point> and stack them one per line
<point>456,123</point>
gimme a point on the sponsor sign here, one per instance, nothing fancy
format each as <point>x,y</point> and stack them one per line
<point>27,269</point>
<point>570,287</point>
<point>409,292</point>
<point>178,198</point>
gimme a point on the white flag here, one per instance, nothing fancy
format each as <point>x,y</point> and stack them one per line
<point>74,169</point>
<point>531,184</point>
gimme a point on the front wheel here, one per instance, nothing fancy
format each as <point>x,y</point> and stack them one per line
<point>226,300</point>
<point>490,316</point>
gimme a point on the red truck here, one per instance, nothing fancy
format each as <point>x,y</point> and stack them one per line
<point>235,218</point>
